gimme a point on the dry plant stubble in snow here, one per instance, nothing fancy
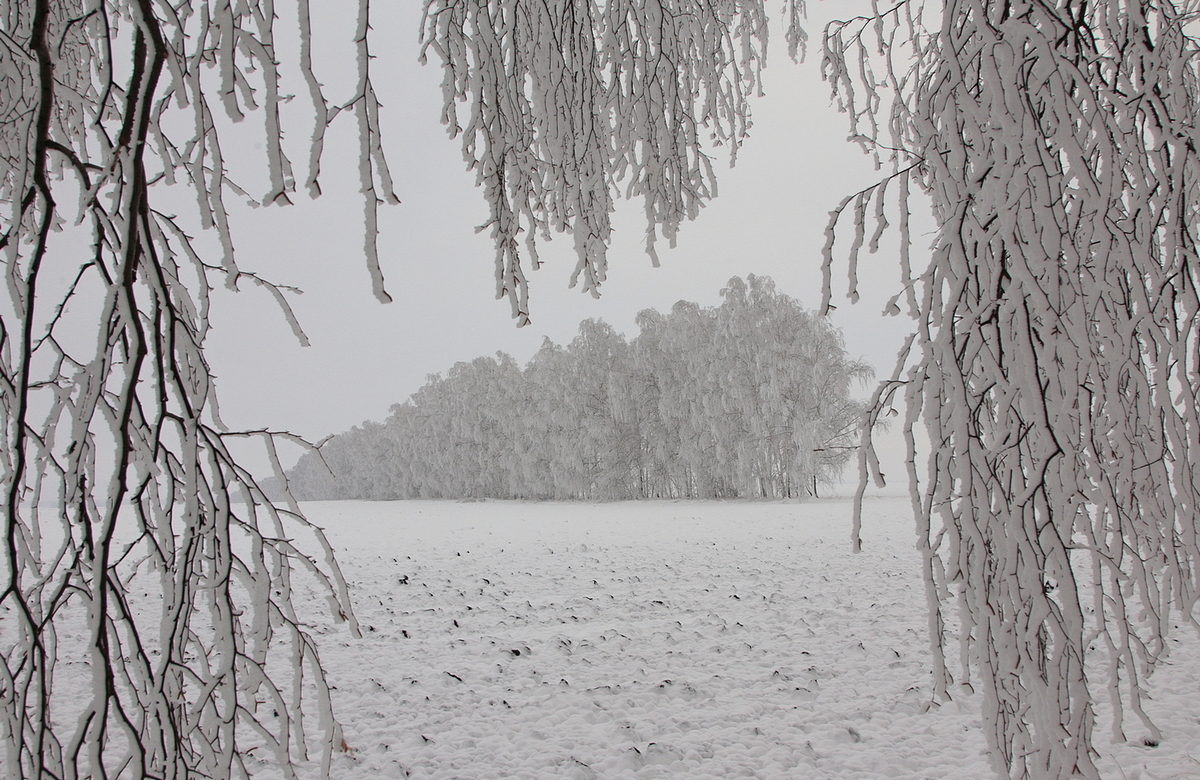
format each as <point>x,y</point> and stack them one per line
<point>661,639</point>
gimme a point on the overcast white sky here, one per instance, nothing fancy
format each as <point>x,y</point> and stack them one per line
<point>769,219</point>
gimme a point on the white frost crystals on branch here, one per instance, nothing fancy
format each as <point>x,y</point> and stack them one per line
<point>148,589</point>
<point>568,103</point>
<point>1055,365</point>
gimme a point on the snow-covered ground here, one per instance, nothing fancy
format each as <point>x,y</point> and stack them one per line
<point>661,639</point>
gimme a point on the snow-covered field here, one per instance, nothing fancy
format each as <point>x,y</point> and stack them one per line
<point>661,639</point>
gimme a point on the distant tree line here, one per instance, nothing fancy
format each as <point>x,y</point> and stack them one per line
<point>747,399</point>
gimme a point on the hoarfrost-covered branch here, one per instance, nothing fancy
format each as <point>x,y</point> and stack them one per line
<point>134,542</point>
<point>1055,359</point>
<point>567,103</point>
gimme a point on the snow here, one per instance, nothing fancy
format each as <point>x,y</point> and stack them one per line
<point>660,640</point>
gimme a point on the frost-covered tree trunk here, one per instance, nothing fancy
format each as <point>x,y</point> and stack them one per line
<point>148,589</point>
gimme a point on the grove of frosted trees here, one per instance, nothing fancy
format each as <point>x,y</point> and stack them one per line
<point>1053,363</point>
<point>747,399</point>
